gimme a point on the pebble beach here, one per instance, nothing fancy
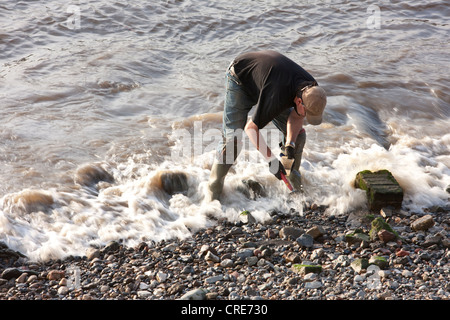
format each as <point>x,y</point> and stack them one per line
<point>308,256</point>
<point>112,113</point>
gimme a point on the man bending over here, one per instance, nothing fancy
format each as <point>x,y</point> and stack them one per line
<point>284,93</point>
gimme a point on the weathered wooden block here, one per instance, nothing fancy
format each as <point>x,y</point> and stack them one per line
<point>381,187</point>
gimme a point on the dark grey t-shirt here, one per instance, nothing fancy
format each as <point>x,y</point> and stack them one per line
<point>272,80</point>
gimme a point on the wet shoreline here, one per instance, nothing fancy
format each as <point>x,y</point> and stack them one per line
<point>252,261</point>
<point>138,88</point>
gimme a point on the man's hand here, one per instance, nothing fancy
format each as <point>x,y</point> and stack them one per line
<point>276,168</point>
<point>290,151</point>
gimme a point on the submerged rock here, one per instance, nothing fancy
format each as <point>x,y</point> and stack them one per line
<point>29,200</point>
<point>255,189</point>
<point>91,174</point>
<point>172,182</point>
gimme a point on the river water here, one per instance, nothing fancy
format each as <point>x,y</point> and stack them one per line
<point>133,89</point>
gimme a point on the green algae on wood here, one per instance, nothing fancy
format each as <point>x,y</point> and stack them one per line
<point>381,188</point>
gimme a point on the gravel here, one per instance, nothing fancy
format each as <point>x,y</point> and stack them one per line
<point>250,261</point>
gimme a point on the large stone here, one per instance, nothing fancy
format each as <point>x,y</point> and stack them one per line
<point>381,187</point>
<point>211,257</point>
<point>305,240</point>
<point>173,182</point>
<point>32,200</point>
<point>7,253</point>
<point>161,276</point>
<point>423,223</point>
<point>379,261</point>
<point>55,275</point>
<point>112,246</point>
<point>10,273</point>
<point>315,231</point>
<point>91,174</point>
<point>304,269</point>
<point>292,257</point>
<point>246,217</point>
<point>359,264</point>
<point>356,237</point>
<point>290,232</point>
<point>92,253</point>
<point>313,285</point>
<point>378,224</point>
<point>253,189</point>
<point>214,279</point>
<point>386,236</point>
<point>196,294</point>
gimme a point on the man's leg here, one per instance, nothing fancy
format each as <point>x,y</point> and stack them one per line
<point>236,108</point>
<point>294,176</point>
<point>222,164</point>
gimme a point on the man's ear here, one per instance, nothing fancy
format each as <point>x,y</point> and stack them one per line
<point>297,99</point>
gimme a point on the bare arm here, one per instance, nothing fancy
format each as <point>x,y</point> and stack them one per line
<point>275,166</point>
<point>294,125</point>
<point>258,141</point>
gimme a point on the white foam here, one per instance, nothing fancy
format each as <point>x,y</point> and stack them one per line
<point>134,209</point>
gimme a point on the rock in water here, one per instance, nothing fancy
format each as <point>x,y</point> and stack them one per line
<point>6,253</point>
<point>28,201</point>
<point>381,187</point>
<point>89,175</point>
<point>172,182</point>
<point>255,189</point>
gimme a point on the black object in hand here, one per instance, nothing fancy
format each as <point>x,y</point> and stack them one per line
<point>276,168</point>
<point>290,152</point>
